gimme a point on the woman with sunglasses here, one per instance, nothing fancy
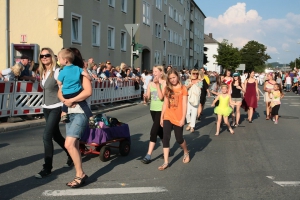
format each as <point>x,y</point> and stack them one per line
<point>52,109</point>
<point>193,85</point>
<point>268,87</point>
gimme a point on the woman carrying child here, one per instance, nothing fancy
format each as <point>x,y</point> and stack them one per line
<point>223,109</point>
<point>173,116</point>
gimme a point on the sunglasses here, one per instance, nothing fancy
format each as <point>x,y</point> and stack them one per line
<point>195,73</point>
<point>46,56</point>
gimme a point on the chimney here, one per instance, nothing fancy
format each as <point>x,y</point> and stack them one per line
<point>210,35</point>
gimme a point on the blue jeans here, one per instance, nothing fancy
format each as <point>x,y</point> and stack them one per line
<point>51,133</point>
<point>288,87</point>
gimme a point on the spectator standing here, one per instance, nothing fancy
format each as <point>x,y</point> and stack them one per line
<point>146,80</point>
<point>26,74</point>
<point>11,73</point>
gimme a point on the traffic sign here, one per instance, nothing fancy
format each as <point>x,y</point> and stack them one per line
<point>133,27</point>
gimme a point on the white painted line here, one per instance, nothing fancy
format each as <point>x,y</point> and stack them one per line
<point>271,177</point>
<point>294,105</point>
<point>261,92</point>
<point>288,183</point>
<point>104,191</point>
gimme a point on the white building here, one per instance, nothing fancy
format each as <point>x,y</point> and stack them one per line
<point>212,46</point>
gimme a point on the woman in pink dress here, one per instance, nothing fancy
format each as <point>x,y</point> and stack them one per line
<point>251,95</point>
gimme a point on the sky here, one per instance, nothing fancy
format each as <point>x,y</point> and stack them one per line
<point>274,23</point>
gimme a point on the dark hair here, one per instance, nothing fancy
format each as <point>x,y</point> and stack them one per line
<point>279,86</point>
<point>78,61</point>
<point>225,73</point>
<point>239,81</point>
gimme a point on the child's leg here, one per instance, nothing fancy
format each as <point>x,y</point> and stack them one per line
<point>218,124</point>
<point>228,125</point>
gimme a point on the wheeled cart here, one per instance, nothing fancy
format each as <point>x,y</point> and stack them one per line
<point>100,141</point>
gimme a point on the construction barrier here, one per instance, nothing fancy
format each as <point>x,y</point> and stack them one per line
<point>25,98</point>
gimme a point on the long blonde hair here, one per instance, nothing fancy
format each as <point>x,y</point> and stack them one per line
<point>17,69</point>
<point>161,69</point>
<point>42,67</point>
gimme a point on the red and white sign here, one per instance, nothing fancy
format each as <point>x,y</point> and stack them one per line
<point>23,39</point>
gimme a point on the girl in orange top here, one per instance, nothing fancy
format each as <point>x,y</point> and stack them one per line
<point>173,115</point>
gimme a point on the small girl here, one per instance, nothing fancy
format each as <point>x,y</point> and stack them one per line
<point>173,116</point>
<point>275,102</point>
<point>223,109</point>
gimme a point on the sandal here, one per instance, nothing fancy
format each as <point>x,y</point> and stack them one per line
<point>75,183</point>
<point>236,125</point>
<point>186,158</point>
<point>217,134</point>
<point>163,166</point>
<point>188,128</point>
<point>231,131</point>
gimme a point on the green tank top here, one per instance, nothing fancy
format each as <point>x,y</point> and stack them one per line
<point>155,104</point>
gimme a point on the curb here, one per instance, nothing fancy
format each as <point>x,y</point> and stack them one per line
<point>41,122</point>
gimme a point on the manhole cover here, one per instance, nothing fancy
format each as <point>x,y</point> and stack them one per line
<point>288,117</point>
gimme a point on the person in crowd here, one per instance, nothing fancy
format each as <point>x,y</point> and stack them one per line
<point>169,67</point>
<point>283,79</point>
<point>268,87</point>
<point>146,80</point>
<point>94,70</point>
<point>51,109</point>
<point>173,116</point>
<point>11,73</point>
<point>90,63</point>
<point>251,95</point>
<point>228,79</point>
<point>108,69</point>
<point>223,110</point>
<point>71,85</point>
<point>204,92</point>
<point>288,81</point>
<point>236,98</point>
<point>276,95</point>
<point>193,85</point>
<point>26,74</point>
<point>155,93</point>
<point>35,72</point>
<point>261,79</point>
<point>102,71</point>
<point>278,80</point>
<point>216,89</point>
<point>77,125</point>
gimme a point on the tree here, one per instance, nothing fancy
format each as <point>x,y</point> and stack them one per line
<point>292,63</point>
<point>228,56</point>
<point>254,55</point>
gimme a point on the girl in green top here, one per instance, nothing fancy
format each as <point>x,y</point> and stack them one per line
<point>155,93</point>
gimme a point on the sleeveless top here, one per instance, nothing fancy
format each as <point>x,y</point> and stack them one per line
<point>155,104</point>
<point>223,101</point>
<point>236,93</point>
<point>228,82</point>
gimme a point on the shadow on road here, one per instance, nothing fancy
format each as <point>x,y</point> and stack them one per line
<point>3,145</point>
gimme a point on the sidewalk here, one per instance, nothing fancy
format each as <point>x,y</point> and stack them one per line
<point>6,126</point>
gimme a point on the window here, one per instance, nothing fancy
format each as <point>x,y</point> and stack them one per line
<point>146,13</point>
<point>76,29</point>
<point>165,48</point>
<point>187,24</point>
<point>95,33</point>
<point>166,2</point>
<point>158,4</point>
<point>180,40</point>
<point>157,57</point>
<point>180,20</point>
<point>123,40</point>
<point>111,37</point>
<point>170,59</point>
<point>170,34</point>
<point>174,14</point>
<point>174,60</point>
<point>171,10</point>
<point>157,30</point>
<point>124,6</point>
<point>165,20</point>
<point>111,3</point>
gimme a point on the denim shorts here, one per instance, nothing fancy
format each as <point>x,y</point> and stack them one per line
<point>236,99</point>
<point>77,125</point>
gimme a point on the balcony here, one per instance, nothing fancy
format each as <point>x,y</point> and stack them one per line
<point>192,17</point>
<point>191,52</point>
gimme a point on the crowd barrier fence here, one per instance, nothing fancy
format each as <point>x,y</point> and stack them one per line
<point>25,98</point>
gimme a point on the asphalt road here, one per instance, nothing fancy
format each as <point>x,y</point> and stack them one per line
<point>260,161</point>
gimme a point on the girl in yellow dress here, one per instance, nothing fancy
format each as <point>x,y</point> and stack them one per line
<point>223,109</point>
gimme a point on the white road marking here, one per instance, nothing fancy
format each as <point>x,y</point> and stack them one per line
<point>294,105</point>
<point>288,183</point>
<point>104,191</point>
<point>261,92</point>
<point>271,177</point>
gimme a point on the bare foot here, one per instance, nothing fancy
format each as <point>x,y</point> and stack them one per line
<point>217,134</point>
<point>231,131</point>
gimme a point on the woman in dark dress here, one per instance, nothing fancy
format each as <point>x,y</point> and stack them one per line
<point>251,95</point>
<point>204,92</point>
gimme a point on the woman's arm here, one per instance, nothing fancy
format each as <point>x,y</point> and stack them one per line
<point>256,86</point>
<point>184,109</point>
<point>147,96</point>
<point>86,93</point>
<point>165,105</point>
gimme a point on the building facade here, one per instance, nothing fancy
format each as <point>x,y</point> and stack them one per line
<point>170,32</point>
<point>212,46</point>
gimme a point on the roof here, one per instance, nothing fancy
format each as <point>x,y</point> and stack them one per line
<point>208,39</point>
<point>198,8</point>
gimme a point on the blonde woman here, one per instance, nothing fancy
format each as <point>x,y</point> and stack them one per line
<point>193,85</point>
<point>204,91</point>
<point>155,93</point>
<point>10,73</point>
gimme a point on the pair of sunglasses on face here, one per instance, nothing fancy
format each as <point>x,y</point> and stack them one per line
<point>45,56</point>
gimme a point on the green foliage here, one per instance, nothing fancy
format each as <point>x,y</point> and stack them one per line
<point>254,55</point>
<point>292,63</point>
<point>228,56</point>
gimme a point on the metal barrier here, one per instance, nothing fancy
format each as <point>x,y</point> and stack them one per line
<point>25,98</point>
<point>6,98</point>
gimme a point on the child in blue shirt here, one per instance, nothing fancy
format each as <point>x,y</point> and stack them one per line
<point>70,82</point>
